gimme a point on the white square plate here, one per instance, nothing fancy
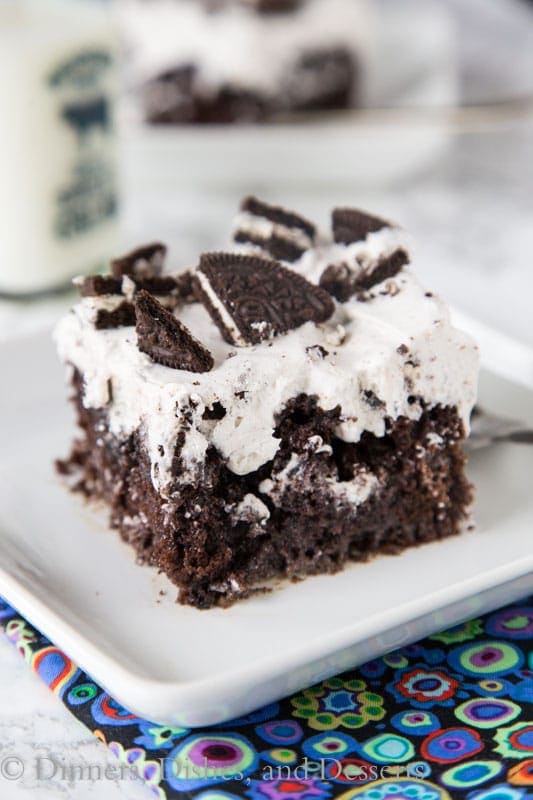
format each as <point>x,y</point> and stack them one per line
<point>79,584</point>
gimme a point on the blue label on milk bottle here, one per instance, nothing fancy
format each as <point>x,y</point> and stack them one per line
<point>86,197</point>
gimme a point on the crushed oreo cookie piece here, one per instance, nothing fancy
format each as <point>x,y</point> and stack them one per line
<point>169,289</point>
<point>351,225</point>
<point>391,289</point>
<point>316,352</point>
<point>274,246</point>
<point>98,285</point>
<point>178,286</point>
<point>342,281</point>
<point>184,286</point>
<point>281,234</point>
<point>143,262</point>
<point>277,214</point>
<point>252,299</point>
<point>338,280</point>
<point>120,317</point>
<point>165,339</point>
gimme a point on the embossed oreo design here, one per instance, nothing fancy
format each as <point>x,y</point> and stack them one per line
<point>165,339</point>
<point>252,299</point>
<point>142,262</point>
<point>279,233</point>
<point>351,225</point>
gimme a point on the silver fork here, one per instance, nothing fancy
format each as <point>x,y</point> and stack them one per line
<point>488,429</point>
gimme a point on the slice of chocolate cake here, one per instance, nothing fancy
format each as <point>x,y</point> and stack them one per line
<point>294,404</point>
<point>225,61</point>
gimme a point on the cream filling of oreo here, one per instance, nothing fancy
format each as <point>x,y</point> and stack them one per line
<point>219,306</point>
<point>262,228</point>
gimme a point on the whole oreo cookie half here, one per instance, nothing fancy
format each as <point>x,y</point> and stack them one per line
<point>252,299</point>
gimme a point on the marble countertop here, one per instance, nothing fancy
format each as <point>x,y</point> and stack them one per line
<point>470,212</point>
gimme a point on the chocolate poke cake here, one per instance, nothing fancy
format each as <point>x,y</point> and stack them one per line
<point>291,404</point>
<point>222,61</point>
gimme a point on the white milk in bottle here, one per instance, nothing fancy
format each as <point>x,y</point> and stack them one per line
<point>58,181</point>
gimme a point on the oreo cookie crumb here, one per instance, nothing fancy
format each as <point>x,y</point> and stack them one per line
<point>165,339</point>
<point>316,351</point>
<point>391,289</point>
<point>373,400</point>
<point>252,299</point>
<point>216,411</point>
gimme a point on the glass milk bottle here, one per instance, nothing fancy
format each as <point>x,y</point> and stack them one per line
<point>58,190</point>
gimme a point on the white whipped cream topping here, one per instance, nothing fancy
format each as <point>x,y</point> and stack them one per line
<point>235,45</point>
<point>365,344</point>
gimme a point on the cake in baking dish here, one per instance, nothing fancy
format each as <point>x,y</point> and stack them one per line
<point>222,61</point>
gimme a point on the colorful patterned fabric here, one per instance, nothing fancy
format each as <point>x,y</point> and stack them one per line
<point>449,717</point>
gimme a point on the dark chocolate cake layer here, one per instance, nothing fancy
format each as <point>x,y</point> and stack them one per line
<point>214,542</point>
